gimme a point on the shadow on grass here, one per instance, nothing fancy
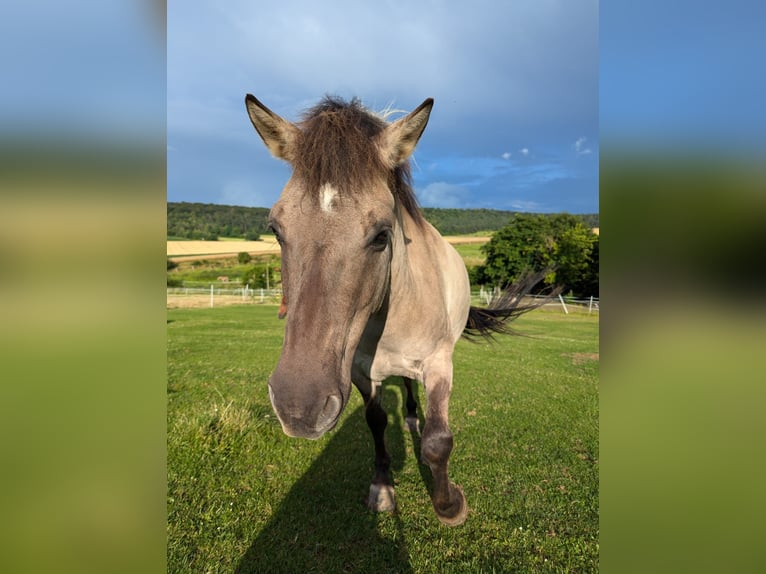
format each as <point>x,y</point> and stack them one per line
<point>323,525</point>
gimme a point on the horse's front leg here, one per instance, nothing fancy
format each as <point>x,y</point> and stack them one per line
<point>436,445</point>
<point>381,495</point>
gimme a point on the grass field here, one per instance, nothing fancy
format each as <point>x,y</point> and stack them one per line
<point>471,253</point>
<point>243,497</point>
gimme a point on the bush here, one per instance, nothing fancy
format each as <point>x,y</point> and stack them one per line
<point>244,257</point>
<point>476,275</point>
<point>171,264</point>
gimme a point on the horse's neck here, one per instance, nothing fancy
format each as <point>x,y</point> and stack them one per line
<point>407,262</point>
<point>401,271</point>
<point>424,267</point>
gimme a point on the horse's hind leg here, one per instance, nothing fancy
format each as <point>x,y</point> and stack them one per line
<point>381,496</point>
<point>436,445</point>
<point>411,419</point>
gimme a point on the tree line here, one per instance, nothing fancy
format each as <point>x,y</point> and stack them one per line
<point>210,221</point>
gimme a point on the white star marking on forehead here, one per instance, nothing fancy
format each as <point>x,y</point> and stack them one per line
<point>327,196</point>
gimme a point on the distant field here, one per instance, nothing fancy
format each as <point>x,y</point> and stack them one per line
<point>243,497</point>
<point>179,250</point>
<point>188,250</point>
<point>471,252</point>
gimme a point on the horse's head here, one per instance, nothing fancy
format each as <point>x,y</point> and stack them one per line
<point>336,221</point>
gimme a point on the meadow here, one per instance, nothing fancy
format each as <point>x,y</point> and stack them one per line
<point>243,497</point>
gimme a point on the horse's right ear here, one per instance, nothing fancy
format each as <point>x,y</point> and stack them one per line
<point>278,134</point>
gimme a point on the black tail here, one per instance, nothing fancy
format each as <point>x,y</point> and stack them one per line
<point>485,322</point>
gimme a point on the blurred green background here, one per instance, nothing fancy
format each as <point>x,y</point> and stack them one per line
<point>683,317</point>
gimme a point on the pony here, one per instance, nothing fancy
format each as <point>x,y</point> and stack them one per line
<point>373,289</point>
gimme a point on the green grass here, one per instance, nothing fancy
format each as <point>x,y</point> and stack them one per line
<point>243,497</point>
<point>471,253</point>
<point>206,271</point>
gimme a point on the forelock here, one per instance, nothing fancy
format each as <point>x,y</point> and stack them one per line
<point>338,146</point>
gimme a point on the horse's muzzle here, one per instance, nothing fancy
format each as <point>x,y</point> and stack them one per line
<point>310,421</point>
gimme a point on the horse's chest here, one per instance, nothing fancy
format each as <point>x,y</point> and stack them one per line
<point>387,360</point>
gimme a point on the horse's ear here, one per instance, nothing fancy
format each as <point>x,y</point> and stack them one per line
<point>399,139</point>
<point>278,134</point>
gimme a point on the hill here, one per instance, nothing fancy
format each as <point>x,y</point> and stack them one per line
<point>210,221</point>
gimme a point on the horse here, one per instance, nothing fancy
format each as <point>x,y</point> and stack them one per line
<point>374,290</point>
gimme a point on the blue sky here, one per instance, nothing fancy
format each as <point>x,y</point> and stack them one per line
<point>683,76</point>
<point>515,120</point>
<point>83,68</point>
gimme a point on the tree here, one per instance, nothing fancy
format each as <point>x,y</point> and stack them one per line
<point>574,246</point>
<point>262,274</point>
<point>588,284</point>
<point>535,242</point>
<point>243,257</point>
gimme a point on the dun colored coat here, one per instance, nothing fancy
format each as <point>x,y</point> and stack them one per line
<point>371,290</point>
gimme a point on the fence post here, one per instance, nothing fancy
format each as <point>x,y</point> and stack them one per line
<point>211,294</point>
<point>261,294</point>
<point>563,305</point>
<point>590,305</point>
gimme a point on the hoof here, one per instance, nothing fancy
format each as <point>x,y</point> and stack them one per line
<point>457,512</point>
<point>381,498</point>
<point>412,424</point>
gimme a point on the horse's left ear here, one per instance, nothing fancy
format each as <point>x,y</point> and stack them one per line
<point>399,139</point>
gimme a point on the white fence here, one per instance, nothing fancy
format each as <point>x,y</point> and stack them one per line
<point>484,297</point>
<point>220,293</point>
<point>245,294</point>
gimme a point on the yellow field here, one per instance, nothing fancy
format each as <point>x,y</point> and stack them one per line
<point>183,250</point>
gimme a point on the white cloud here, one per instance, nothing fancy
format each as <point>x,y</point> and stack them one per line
<point>442,194</point>
<point>579,146</point>
<point>526,205</point>
<point>524,151</point>
<point>506,155</point>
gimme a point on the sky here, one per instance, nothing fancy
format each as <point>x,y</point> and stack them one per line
<point>82,69</point>
<point>682,77</point>
<point>515,83</point>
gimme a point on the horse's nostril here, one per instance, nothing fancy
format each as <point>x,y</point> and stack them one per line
<point>306,420</point>
<point>330,411</point>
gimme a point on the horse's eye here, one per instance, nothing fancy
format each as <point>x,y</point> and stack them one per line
<point>277,236</point>
<point>380,241</point>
